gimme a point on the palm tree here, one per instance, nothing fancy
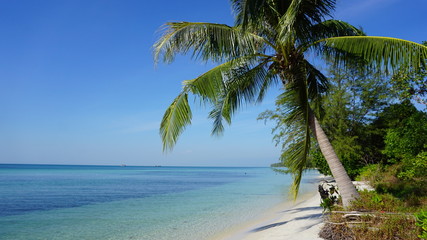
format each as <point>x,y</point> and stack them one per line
<point>269,44</point>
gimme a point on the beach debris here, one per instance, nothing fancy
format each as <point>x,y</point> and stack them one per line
<point>329,190</point>
<point>363,186</point>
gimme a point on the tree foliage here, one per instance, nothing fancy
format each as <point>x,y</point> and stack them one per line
<point>269,43</point>
<point>406,135</point>
<point>354,100</point>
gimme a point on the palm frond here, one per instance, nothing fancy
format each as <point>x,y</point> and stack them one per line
<point>327,29</point>
<point>248,81</point>
<point>217,115</point>
<point>243,85</point>
<point>176,118</point>
<point>296,99</point>
<point>253,13</point>
<point>295,157</point>
<point>229,85</point>
<point>300,16</point>
<point>317,84</point>
<point>288,23</point>
<point>381,52</point>
<point>317,10</point>
<point>210,85</point>
<point>271,79</point>
<point>205,41</point>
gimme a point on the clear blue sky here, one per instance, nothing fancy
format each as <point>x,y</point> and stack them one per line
<point>78,84</point>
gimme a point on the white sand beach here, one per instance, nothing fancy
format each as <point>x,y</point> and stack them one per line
<point>298,221</point>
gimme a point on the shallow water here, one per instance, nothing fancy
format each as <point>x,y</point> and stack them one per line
<point>105,202</point>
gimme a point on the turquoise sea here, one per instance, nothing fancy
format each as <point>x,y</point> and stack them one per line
<point>109,202</point>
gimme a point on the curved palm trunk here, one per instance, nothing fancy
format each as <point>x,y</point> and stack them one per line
<point>347,190</point>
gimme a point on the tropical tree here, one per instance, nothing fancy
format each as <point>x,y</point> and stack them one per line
<point>267,45</point>
<point>355,98</point>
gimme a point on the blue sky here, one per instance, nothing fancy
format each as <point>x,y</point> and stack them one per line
<point>78,83</point>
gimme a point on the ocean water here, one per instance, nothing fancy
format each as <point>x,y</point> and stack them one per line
<point>108,202</point>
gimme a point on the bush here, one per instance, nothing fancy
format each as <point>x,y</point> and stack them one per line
<point>327,204</point>
<point>373,201</point>
<point>422,223</point>
<point>407,138</point>
<point>370,173</point>
<point>405,180</point>
<point>414,167</point>
<point>370,227</point>
<point>384,217</point>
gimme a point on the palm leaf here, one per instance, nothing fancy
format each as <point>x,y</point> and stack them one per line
<point>230,84</point>
<point>176,118</point>
<point>244,84</point>
<point>248,81</point>
<point>317,84</point>
<point>210,85</point>
<point>299,18</point>
<point>270,79</point>
<point>295,157</point>
<point>258,13</point>
<point>296,98</point>
<point>205,41</point>
<point>382,52</point>
<point>327,29</point>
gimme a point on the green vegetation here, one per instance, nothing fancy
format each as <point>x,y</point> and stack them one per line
<point>365,128</point>
<point>380,137</point>
<point>382,216</point>
<point>422,223</point>
<point>371,227</point>
<point>396,210</point>
<point>267,45</point>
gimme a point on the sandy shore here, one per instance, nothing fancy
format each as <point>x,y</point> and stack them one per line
<point>298,221</point>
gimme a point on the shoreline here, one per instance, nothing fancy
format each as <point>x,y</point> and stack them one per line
<point>297,220</point>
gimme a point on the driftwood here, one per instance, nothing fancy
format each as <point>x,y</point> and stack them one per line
<point>371,214</point>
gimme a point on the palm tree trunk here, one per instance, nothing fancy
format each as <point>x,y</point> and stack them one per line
<point>346,188</point>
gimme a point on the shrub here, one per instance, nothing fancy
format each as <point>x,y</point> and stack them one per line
<point>373,201</point>
<point>374,227</point>
<point>327,204</point>
<point>370,173</point>
<point>406,134</point>
<point>422,223</point>
<point>385,217</point>
<point>414,167</point>
<point>405,180</point>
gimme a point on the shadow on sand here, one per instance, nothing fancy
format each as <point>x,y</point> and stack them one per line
<point>294,210</point>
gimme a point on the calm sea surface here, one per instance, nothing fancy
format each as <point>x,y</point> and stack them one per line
<point>108,202</point>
